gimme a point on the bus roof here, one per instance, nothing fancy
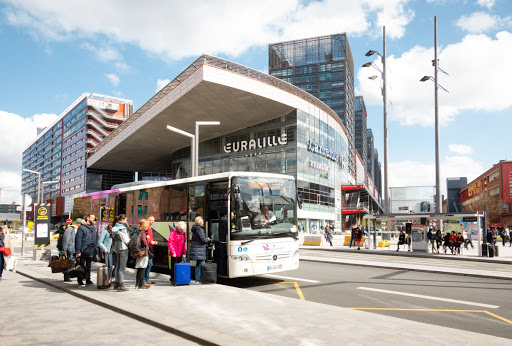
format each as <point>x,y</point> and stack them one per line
<point>217,176</point>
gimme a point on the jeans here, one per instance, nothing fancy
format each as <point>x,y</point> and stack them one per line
<point>198,270</point>
<point>66,276</point>
<point>148,270</point>
<point>121,260</point>
<point>2,260</point>
<point>111,263</point>
<point>352,239</point>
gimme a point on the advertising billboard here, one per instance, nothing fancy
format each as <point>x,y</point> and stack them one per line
<point>117,110</point>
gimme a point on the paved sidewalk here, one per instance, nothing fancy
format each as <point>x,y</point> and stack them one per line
<point>217,314</point>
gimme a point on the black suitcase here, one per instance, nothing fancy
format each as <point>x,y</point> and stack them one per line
<point>496,252</point>
<point>209,273</point>
<point>490,249</point>
<point>484,250</point>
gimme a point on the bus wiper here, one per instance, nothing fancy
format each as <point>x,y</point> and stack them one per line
<point>253,239</point>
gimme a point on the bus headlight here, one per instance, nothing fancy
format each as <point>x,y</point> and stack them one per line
<point>241,258</point>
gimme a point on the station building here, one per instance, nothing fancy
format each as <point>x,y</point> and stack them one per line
<point>266,125</point>
<point>59,153</point>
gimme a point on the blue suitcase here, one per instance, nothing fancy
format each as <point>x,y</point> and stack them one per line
<point>182,273</point>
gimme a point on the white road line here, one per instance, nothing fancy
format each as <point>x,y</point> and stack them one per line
<point>290,278</point>
<point>429,297</point>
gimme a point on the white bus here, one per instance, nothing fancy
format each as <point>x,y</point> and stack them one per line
<point>250,217</point>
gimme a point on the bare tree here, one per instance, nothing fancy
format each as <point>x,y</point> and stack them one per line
<point>492,205</point>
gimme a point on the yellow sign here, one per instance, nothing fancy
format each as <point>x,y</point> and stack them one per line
<point>43,211</point>
<point>30,224</point>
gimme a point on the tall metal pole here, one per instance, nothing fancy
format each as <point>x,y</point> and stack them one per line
<point>196,154</point>
<point>38,188</point>
<point>439,205</point>
<point>193,156</point>
<point>24,211</point>
<point>384,97</point>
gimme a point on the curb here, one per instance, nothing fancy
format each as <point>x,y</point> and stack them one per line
<point>408,269</point>
<point>409,254</point>
<point>129,314</point>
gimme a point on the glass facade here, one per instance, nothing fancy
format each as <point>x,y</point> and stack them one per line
<point>322,66</point>
<point>297,144</point>
<point>361,142</point>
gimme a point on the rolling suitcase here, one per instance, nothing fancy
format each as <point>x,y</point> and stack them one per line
<point>182,273</point>
<point>102,279</point>
<point>490,250</point>
<point>209,273</point>
<point>496,252</point>
<point>484,250</point>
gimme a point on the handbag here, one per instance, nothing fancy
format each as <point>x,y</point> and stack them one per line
<point>61,264</point>
<point>142,262</point>
<point>11,264</point>
<point>151,252</point>
<point>7,251</point>
<point>74,270</point>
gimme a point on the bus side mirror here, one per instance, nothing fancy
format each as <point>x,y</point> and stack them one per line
<point>299,201</point>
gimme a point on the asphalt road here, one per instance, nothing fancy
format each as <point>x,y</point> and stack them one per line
<point>354,287</point>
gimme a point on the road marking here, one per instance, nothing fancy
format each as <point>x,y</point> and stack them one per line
<point>290,278</point>
<point>436,310</point>
<point>299,292</point>
<point>429,297</point>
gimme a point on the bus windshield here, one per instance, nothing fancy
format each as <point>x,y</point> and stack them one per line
<point>264,207</point>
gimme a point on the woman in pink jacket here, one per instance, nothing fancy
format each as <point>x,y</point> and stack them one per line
<point>177,245</point>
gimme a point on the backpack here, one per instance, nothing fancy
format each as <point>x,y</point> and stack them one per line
<point>60,242</point>
<point>134,246</point>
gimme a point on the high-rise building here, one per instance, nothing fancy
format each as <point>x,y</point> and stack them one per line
<point>59,152</point>
<point>454,185</point>
<point>360,133</point>
<point>370,162</point>
<point>322,66</point>
<point>378,172</point>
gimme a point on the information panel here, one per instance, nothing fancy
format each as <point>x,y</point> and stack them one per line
<point>42,224</point>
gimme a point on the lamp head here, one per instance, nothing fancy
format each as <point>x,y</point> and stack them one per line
<point>372,77</point>
<point>370,52</point>
<point>368,64</point>
<point>425,78</point>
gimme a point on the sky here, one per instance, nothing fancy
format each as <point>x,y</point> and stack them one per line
<point>53,51</point>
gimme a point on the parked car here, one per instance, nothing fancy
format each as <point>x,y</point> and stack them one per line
<point>336,231</point>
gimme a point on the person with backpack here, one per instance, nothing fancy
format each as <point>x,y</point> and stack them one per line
<point>140,252</point>
<point>431,238</point>
<point>328,234</point>
<point>359,237</point>
<point>86,240</point>
<point>60,232</point>
<point>401,240</point>
<point>120,247</point>
<point>198,246</point>
<point>105,246</point>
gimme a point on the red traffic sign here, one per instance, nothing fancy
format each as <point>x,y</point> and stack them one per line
<point>69,221</point>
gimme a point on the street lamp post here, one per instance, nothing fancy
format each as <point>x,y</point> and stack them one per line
<point>435,63</point>
<point>384,98</point>
<point>192,147</point>
<point>38,183</point>
<point>47,182</point>
<point>196,154</point>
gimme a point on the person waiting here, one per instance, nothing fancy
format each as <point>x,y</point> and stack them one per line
<point>401,240</point>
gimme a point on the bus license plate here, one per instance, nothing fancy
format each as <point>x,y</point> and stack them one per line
<point>274,267</point>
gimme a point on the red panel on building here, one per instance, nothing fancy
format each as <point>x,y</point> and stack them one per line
<point>351,211</point>
<point>507,182</point>
<point>351,187</point>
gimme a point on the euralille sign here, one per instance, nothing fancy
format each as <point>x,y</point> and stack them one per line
<point>270,141</point>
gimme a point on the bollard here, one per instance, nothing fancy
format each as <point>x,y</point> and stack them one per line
<point>35,253</point>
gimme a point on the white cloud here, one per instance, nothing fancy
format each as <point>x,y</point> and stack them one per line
<point>113,78</point>
<point>486,3</point>
<point>479,69</point>
<point>460,149</point>
<point>175,29</point>
<point>16,134</point>
<point>416,173</point>
<point>104,53</point>
<point>161,83</point>
<point>480,22</point>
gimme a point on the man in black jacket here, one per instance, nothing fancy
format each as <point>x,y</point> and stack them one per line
<point>86,241</point>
